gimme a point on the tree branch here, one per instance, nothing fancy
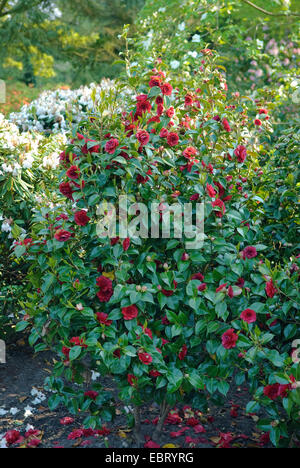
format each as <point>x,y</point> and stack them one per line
<point>269,13</point>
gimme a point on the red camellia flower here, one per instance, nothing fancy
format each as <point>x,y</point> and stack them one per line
<point>132,380</point>
<point>143,137</point>
<point>92,395</point>
<point>219,204</point>
<point>111,146</point>
<point>248,315</point>
<point>249,252</point>
<point>172,139</point>
<point>66,190</point>
<point>183,352</point>
<point>73,172</point>
<point>62,236</point>
<point>154,374</point>
<point>272,391</point>
<point>270,289</point>
<point>130,312</point>
<point>210,191</point>
<point>221,288</point>
<point>141,180</point>
<point>145,358</point>
<point>102,318</point>
<point>198,276</point>
<point>229,339</point>
<point>143,105</point>
<point>126,244</point>
<point>166,89</point>
<point>170,112</point>
<point>257,122</point>
<point>226,125</point>
<point>169,293</point>
<point>164,133</point>
<point>106,289</point>
<point>154,81</point>
<point>241,153</point>
<point>81,218</point>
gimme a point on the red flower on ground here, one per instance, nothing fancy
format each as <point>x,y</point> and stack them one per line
<point>13,437</point>
<point>67,421</point>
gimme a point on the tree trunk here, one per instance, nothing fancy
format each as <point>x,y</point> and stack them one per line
<point>164,411</point>
<point>137,428</point>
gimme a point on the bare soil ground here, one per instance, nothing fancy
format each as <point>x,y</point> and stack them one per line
<point>23,404</point>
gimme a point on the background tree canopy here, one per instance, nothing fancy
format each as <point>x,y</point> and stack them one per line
<point>46,43</point>
<point>67,41</point>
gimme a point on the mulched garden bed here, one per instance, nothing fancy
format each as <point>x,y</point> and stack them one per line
<point>23,407</point>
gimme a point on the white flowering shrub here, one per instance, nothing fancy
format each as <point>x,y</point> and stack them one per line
<point>56,111</point>
<point>28,163</point>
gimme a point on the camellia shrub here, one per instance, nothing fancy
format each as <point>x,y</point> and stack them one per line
<point>169,323</point>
